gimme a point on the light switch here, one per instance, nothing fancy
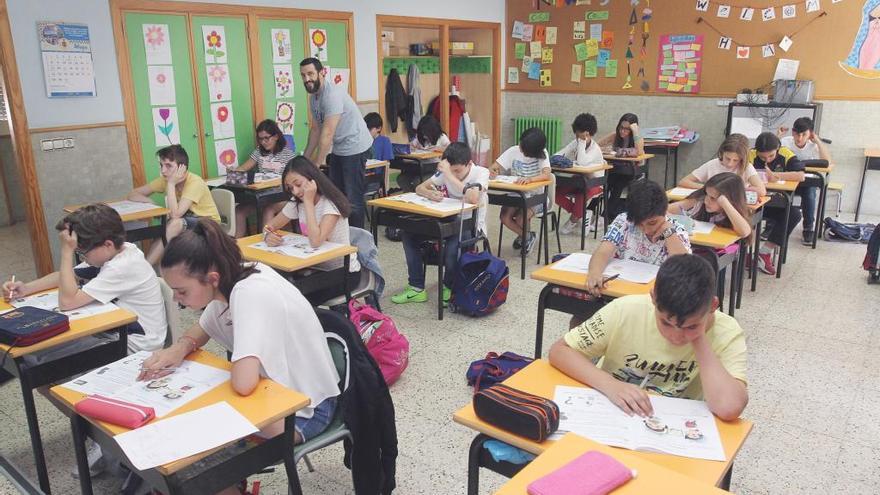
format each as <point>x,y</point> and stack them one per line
<point>58,144</point>
<point>68,142</point>
<point>46,145</point>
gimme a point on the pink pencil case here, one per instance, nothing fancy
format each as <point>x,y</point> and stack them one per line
<point>593,473</point>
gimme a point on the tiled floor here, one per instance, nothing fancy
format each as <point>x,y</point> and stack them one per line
<point>813,385</point>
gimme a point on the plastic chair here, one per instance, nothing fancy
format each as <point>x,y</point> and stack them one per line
<point>172,314</point>
<point>225,201</point>
<point>836,187</point>
<point>549,211</point>
<point>366,287</point>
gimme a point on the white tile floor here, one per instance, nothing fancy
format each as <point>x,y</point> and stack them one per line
<point>813,386</point>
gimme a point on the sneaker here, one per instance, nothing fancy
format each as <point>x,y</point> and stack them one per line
<point>765,234</point>
<point>447,294</point>
<point>809,235</point>
<point>95,457</point>
<point>588,218</point>
<point>531,242</point>
<point>568,227</point>
<point>765,263</point>
<point>410,295</point>
<point>517,243</point>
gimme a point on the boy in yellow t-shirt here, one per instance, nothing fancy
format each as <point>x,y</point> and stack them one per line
<point>186,195</point>
<point>672,342</point>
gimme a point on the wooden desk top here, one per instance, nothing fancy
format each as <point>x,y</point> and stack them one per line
<point>256,186</point>
<point>642,157</point>
<point>540,378</point>
<point>678,197</point>
<point>614,288</point>
<point>506,186</point>
<point>371,164</point>
<point>426,155</point>
<point>284,262</point>
<point>156,211</point>
<point>652,478</point>
<point>268,403</point>
<point>662,143</point>
<point>78,329</point>
<point>787,186</point>
<point>592,169</point>
<point>719,238</point>
<point>414,208</point>
<point>872,152</point>
<point>763,200</point>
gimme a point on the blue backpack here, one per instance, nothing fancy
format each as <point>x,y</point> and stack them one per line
<point>480,284</point>
<point>494,368</point>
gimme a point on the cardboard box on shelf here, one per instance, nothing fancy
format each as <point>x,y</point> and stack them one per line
<point>461,48</point>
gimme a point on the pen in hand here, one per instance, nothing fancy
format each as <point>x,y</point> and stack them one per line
<point>12,287</point>
<point>609,279</point>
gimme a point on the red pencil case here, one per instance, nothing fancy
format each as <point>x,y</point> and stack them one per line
<point>592,473</point>
<point>115,411</point>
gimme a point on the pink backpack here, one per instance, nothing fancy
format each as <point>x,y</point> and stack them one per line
<point>388,347</point>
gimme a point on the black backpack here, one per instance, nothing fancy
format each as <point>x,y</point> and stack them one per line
<point>839,231</point>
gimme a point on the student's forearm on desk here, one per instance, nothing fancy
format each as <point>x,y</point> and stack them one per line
<point>757,185</point>
<point>674,245</point>
<point>792,176</point>
<point>50,281</point>
<point>577,366</point>
<point>690,182</point>
<point>141,195</point>
<point>725,395</point>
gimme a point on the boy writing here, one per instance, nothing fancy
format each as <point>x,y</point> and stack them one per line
<point>186,195</point>
<point>454,172</point>
<point>673,340</point>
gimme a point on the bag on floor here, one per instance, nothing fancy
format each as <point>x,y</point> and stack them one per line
<point>388,347</point>
<point>847,232</point>
<point>872,256</point>
<point>494,368</point>
<point>480,284</point>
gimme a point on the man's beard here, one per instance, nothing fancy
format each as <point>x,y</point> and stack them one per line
<point>316,85</point>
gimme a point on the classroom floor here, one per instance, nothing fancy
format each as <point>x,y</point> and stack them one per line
<point>813,382</point>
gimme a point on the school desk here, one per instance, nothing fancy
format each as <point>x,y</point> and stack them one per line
<point>289,265</point>
<point>667,147</point>
<point>639,161</point>
<point>786,192</point>
<point>651,477</point>
<point>205,472</point>
<point>516,195</point>
<point>416,160</point>
<point>540,378</point>
<point>872,162</point>
<point>150,231</point>
<point>417,219</point>
<point>33,375</point>
<point>720,238</point>
<point>377,172</point>
<point>581,179</point>
<point>551,298</point>
<point>823,174</point>
<point>260,194</point>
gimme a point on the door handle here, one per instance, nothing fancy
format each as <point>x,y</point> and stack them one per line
<point>195,136</point>
<point>207,134</point>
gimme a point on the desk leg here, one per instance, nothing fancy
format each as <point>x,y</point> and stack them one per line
<point>346,264</point>
<point>163,222</point>
<point>753,272</point>
<point>473,482</point>
<point>725,481</point>
<point>374,225</point>
<point>546,230</point>
<point>79,448</point>
<point>293,485</point>
<point>675,167</point>
<point>525,235</point>
<point>666,151</point>
<point>820,214</point>
<point>539,327</point>
<point>862,188</point>
<point>734,270</point>
<point>30,411</point>
<point>440,266</point>
<point>583,214</point>
<point>784,249</point>
<point>741,271</point>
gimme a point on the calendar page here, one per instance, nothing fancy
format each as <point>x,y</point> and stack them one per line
<point>67,59</point>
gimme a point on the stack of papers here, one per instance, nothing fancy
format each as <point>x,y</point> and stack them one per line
<point>681,191</point>
<point>703,227</point>
<point>446,204</point>
<point>127,207</point>
<point>296,246</point>
<point>507,179</point>
<point>49,302</point>
<point>629,270</point>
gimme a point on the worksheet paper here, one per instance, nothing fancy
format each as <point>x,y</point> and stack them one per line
<point>118,380</point>
<point>181,436</point>
<point>49,302</point>
<point>507,179</point>
<point>126,207</point>
<point>447,204</point>
<point>682,191</point>
<point>703,227</point>
<point>679,427</point>
<point>632,271</point>
<point>297,246</point>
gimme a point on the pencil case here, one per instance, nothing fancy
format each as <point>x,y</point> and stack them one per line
<point>115,411</point>
<point>518,412</point>
<point>592,473</point>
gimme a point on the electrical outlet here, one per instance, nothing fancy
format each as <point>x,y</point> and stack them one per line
<point>68,142</point>
<point>46,145</point>
<point>724,103</point>
<point>58,144</point>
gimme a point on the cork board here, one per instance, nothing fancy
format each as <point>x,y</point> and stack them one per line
<point>827,43</point>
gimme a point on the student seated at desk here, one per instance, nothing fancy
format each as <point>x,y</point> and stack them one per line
<point>625,135</point>
<point>454,172</point>
<point>733,157</point>
<point>530,162</point>
<point>253,312</point>
<point>583,151</point>
<point>721,201</point>
<point>186,195</point>
<point>271,155</point>
<point>673,342</point>
<point>429,137</point>
<point>382,149</point>
<point>806,145</point>
<point>777,163</point>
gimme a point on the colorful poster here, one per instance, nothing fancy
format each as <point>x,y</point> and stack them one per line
<point>157,44</point>
<point>680,63</point>
<point>219,88</point>
<point>283,81</point>
<point>66,51</point>
<point>607,40</point>
<point>611,68</point>
<point>519,50</point>
<point>595,31</point>
<point>528,31</point>
<point>551,35</point>
<point>596,15</point>
<point>284,115</point>
<point>863,59</point>
<point>546,78</point>
<point>222,120</point>
<point>512,75</point>
<point>318,44</point>
<point>161,82</point>
<point>592,48</point>
<point>165,126</point>
<point>547,56</point>
<point>580,30</point>
<point>535,71</point>
<point>517,30</point>
<point>540,33</point>
<point>527,63</point>
<point>281,46</point>
<point>590,69</point>
<point>539,16</point>
<point>226,153</point>
<point>575,73</point>
<point>580,51</point>
<point>214,38</point>
<point>603,57</point>
<point>535,49</point>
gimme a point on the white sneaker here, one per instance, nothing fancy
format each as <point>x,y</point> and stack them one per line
<point>95,457</point>
<point>588,218</point>
<point>568,227</point>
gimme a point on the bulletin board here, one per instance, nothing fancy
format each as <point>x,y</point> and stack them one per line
<point>827,42</point>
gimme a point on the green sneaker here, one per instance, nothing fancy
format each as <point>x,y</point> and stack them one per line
<point>410,295</point>
<point>447,294</point>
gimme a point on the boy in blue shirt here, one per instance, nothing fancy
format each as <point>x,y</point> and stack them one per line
<point>381,144</point>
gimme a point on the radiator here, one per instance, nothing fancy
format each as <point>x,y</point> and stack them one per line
<point>552,129</point>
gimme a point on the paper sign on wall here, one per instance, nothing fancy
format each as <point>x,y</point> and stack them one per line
<point>550,36</point>
<point>338,77</point>
<point>66,51</point>
<point>528,31</point>
<point>517,30</point>
<point>157,44</point>
<point>165,125</point>
<point>222,121</point>
<point>219,88</point>
<point>595,31</point>
<point>284,115</point>
<point>590,69</point>
<point>611,68</point>
<point>547,56</point>
<point>161,83</point>
<point>580,30</point>
<point>226,152</point>
<point>281,46</point>
<point>214,38</point>
<point>546,78</point>
<point>575,73</point>
<point>519,50</point>
<point>283,81</point>
<point>512,75</point>
<point>535,71</point>
<point>318,44</point>
<point>679,63</point>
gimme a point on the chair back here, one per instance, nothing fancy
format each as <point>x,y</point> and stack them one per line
<point>551,193</point>
<point>225,201</point>
<point>172,313</point>
<point>335,325</point>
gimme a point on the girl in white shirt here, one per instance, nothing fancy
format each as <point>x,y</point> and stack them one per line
<point>583,151</point>
<point>267,324</point>
<point>733,156</point>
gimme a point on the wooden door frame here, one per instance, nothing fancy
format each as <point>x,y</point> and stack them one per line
<point>252,14</point>
<point>445,26</point>
<point>21,146</point>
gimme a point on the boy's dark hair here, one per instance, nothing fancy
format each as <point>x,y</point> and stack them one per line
<point>644,200</point>
<point>175,153</point>
<point>457,154</point>
<point>428,131</point>
<point>802,124</point>
<point>312,60</point>
<point>93,225</point>
<point>767,141</point>
<point>585,122</point>
<point>271,128</point>
<point>373,120</point>
<point>532,143</point>
<point>685,286</point>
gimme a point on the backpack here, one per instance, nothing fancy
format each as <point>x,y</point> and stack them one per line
<point>388,347</point>
<point>872,256</point>
<point>839,231</point>
<point>480,284</point>
<point>494,368</point>
<point>560,161</point>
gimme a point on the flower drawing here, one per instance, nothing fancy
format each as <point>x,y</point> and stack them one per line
<point>215,42</point>
<point>155,36</point>
<point>160,78</point>
<point>217,73</point>
<point>166,127</point>
<point>222,113</point>
<point>319,38</point>
<point>227,157</point>
<point>283,81</point>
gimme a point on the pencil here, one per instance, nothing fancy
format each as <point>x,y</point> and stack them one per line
<point>645,381</point>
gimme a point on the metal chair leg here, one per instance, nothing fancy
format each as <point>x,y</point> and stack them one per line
<point>308,463</point>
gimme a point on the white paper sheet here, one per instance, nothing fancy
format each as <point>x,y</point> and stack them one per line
<point>265,177</point>
<point>339,77</point>
<point>49,302</point>
<point>747,126</point>
<point>216,182</point>
<point>703,227</point>
<point>588,413</point>
<point>447,204</point>
<point>296,246</point>
<point>157,43</point>
<point>507,179</point>
<point>161,81</point>
<point>219,88</point>
<point>786,69</point>
<point>188,434</point>
<point>222,120</point>
<point>281,46</point>
<point>629,270</point>
<point>372,161</point>
<point>125,206</point>
<point>682,191</point>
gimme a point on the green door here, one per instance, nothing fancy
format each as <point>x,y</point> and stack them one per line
<point>222,68</point>
<point>161,73</point>
<point>281,50</point>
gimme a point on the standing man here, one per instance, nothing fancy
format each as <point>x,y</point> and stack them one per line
<point>338,136</point>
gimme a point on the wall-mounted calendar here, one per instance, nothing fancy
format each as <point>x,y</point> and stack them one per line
<point>67,59</point>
